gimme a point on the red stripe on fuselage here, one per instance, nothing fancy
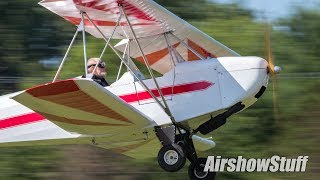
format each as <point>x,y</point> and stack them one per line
<point>20,120</point>
<point>166,91</point>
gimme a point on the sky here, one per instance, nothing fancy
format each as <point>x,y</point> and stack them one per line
<point>273,9</point>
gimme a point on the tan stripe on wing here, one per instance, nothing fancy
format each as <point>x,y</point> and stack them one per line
<point>67,93</point>
<point>77,121</point>
<point>130,147</point>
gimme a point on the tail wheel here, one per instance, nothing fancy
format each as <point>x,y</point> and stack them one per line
<point>196,170</point>
<point>171,158</point>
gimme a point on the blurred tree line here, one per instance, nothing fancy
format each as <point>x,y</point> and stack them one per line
<point>30,33</point>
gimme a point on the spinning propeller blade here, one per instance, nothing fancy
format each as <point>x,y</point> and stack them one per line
<point>272,69</point>
<point>268,50</point>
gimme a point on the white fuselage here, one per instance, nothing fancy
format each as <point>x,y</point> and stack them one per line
<point>194,90</point>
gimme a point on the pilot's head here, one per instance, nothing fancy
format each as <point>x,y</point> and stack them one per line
<point>101,69</point>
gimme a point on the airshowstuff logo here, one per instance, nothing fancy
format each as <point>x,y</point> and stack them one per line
<point>272,164</point>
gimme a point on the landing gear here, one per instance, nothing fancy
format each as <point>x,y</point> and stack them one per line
<point>196,170</point>
<point>176,149</point>
<point>171,158</point>
<point>179,147</point>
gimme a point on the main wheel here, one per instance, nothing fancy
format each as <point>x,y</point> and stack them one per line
<point>171,158</point>
<point>196,170</point>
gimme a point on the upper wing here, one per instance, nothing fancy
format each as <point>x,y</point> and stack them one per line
<point>149,20</point>
<point>84,107</point>
<point>105,14</point>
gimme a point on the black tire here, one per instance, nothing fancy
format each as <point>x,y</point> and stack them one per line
<point>171,158</point>
<point>196,170</point>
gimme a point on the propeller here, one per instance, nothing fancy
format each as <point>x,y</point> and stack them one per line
<point>273,70</point>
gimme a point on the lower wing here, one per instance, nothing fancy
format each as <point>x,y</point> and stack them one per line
<point>78,111</point>
<point>19,125</point>
<point>69,111</point>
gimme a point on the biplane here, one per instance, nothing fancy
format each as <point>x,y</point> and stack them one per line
<point>170,117</point>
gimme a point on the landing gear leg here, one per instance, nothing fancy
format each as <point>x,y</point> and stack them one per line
<point>176,149</point>
<point>197,165</point>
<point>171,156</point>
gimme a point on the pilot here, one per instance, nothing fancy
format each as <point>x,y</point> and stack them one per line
<point>100,72</point>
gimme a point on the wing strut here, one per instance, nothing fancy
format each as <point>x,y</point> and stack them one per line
<point>84,44</point>
<point>123,56</point>
<point>170,49</point>
<point>67,53</point>
<point>81,27</point>
<point>188,47</point>
<point>166,107</point>
<point>127,65</point>
<point>105,47</point>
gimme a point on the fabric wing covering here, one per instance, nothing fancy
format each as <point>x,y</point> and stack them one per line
<point>83,106</point>
<point>149,21</point>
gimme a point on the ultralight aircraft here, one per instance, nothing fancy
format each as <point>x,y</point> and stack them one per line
<point>202,83</point>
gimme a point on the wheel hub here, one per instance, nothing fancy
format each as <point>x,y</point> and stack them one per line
<point>171,157</point>
<point>199,173</point>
